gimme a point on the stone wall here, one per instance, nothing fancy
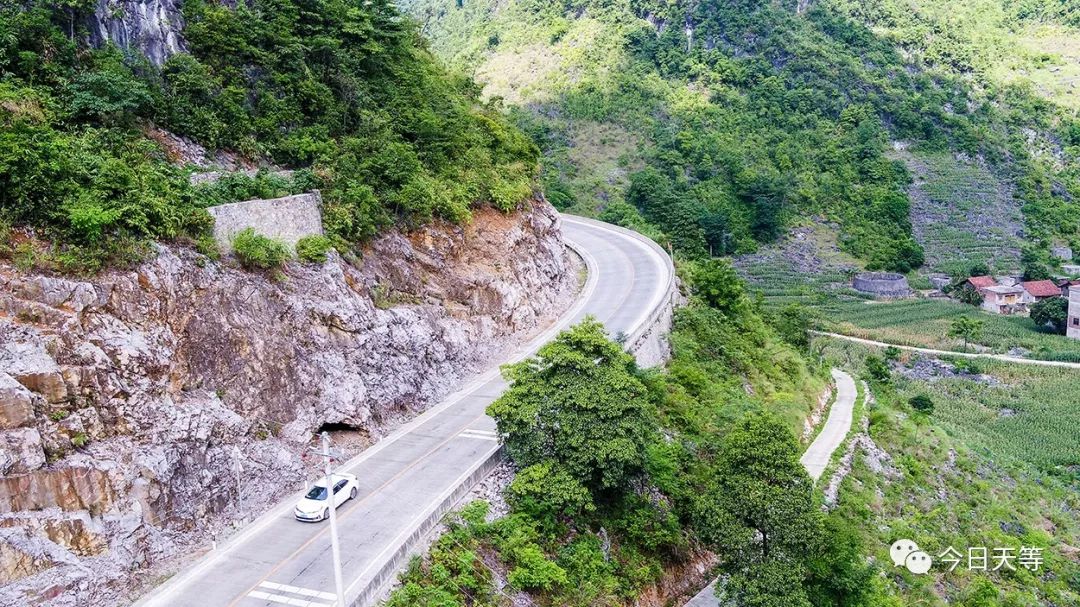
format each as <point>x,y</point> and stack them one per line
<point>286,219</point>
<point>882,284</point>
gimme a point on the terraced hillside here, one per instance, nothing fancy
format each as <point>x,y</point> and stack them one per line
<point>807,262</point>
<point>961,213</point>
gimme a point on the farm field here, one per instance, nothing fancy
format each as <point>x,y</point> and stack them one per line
<point>995,464</point>
<point>925,323</point>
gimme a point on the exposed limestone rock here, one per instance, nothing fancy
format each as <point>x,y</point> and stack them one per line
<point>152,27</point>
<point>75,532</point>
<point>32,366</point>
<point>16,408</point>
<point>24,553</point>
<point>20,451</point>
<point>68,488</point>
<point>142,388</point>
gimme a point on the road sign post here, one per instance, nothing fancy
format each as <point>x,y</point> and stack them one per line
<point>330,497</point>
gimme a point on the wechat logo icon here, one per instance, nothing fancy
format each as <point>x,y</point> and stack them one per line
<point>906,553</point>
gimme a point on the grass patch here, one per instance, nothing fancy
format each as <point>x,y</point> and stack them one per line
<point>925,323</point>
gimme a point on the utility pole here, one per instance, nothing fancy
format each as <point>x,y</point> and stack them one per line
<point>328,458</point>
<point>239,492</point>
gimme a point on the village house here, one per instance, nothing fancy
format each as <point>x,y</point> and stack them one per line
<point>1072,325</point>
<point>1038,290</point>
<point>981,282</point>
<point>1002,299</point>
<point>1065,283</point>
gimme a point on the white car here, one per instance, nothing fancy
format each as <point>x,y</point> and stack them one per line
<point>313,507</point>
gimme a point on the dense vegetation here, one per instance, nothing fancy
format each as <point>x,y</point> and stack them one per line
<point>717,123</point>
<point>624,473</point>
<point>345,88</point>
<point>992,463</point>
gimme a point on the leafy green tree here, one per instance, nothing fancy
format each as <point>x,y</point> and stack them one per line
<point>109,95</point>
<point>719,286</point>
<point>878,369</point>
<point>545,491</point>
<point>967,328</point>
<point>759,514</point>
<point>1053,312</point>
<point>793,323</point>
<point>840,574</point>
<point>578,406</point>
<point>965,293</point>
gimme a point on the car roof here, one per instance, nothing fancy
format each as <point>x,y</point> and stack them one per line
<point>321,481</point>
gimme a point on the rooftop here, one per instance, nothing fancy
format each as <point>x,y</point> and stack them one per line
<point>1041,288</point>
<point>1004,290</point>
<point>982,282</point>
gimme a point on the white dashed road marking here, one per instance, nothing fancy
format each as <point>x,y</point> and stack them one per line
<point>479,434</point>
<point>306,593</point>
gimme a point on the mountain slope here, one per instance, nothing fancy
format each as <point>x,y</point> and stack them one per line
<point>721,122</point>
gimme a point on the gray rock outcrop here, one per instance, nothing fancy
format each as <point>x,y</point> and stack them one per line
<point>151,27</point>
<point>126,400</point>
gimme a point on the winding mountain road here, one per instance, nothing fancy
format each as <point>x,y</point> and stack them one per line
<point>816,457</point>
<point>409,478</point>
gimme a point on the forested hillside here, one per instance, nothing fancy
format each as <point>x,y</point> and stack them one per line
<point>343,89</point>
<point>719,123</point>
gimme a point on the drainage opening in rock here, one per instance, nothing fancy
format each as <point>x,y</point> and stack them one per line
<point>347,438</point>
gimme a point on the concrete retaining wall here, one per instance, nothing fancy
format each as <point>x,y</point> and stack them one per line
<point>286,219</point>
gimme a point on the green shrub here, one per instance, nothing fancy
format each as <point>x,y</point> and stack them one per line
<point>313,248</point>
<point>921,402</point>
<point>256,251</point>
<point>532,570</point>
<point>878,369</point>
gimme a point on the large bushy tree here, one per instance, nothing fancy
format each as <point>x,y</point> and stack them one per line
<point>578,404</point>
<point>758,512</point>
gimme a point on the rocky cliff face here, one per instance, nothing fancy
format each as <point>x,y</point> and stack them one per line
<point>129,402</point>
<point>151,27</point>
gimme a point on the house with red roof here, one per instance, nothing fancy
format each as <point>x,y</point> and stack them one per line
<point>979,283</point>
<point>1038,290</point>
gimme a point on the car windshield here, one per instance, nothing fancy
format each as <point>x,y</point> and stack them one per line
<point>316,493</point>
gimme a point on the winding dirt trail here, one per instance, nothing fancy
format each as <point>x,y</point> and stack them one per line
<point>817,455</point>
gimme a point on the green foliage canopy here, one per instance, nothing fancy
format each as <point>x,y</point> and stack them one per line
<point>578,402</point>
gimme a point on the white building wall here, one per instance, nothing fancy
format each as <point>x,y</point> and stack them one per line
<point>1073,322</point>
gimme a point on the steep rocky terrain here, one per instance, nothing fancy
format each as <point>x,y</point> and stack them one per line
<point>127,402</point>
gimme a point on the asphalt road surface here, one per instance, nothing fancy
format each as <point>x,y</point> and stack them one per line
<point>278,560</point>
